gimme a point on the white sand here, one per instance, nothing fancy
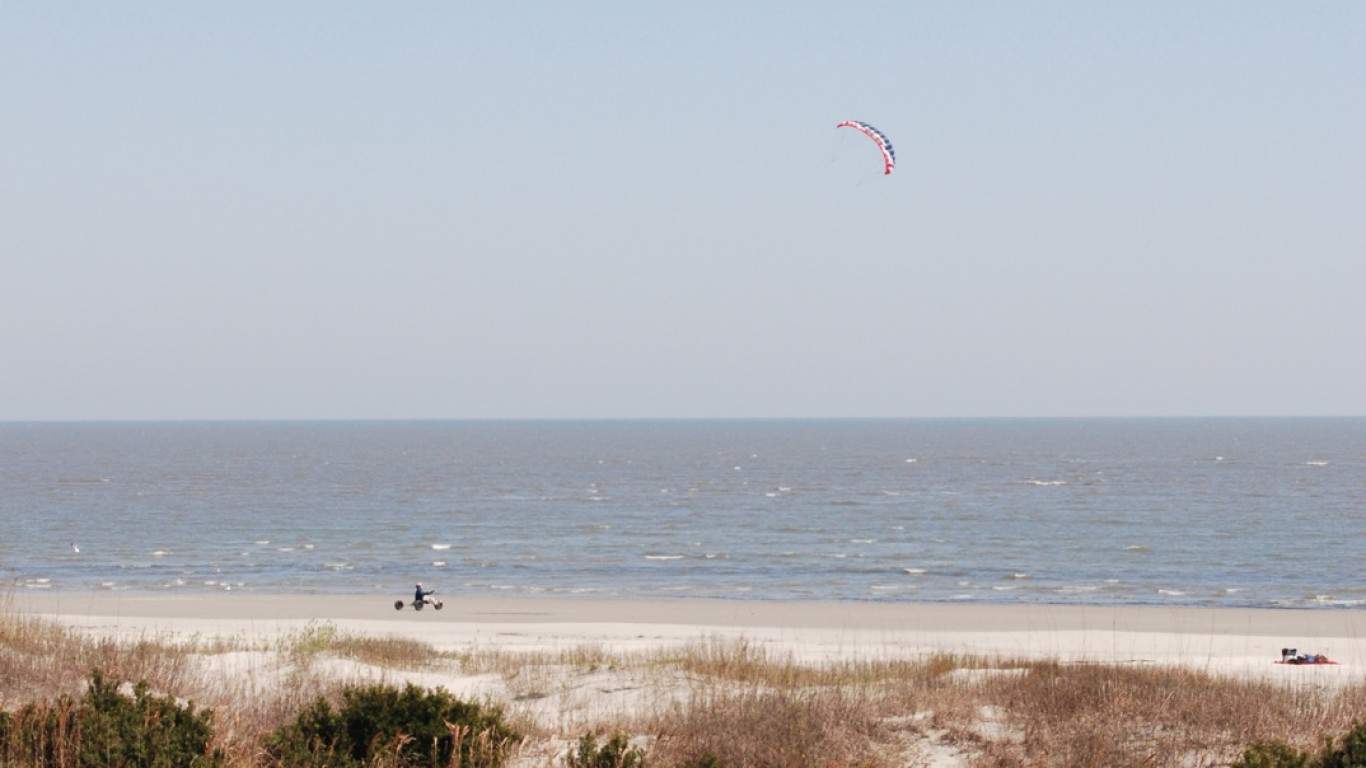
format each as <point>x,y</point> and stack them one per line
<point>1241,642</point>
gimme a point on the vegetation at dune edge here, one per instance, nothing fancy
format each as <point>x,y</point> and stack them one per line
<point>1346,752</point>
<point>108,728</point>
<point>616,752</point>
<point>378,725</point>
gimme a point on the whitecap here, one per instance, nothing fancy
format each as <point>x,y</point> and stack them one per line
<point>107,584</point>
<point>439,563</point>
<point>338,566</point>
<point>1316,463</point>
<point>1018,576</point>
<point>308,546</point>
<point>441,546</point>
<point>1137,548</point>
<point>663,557</point>
<point>912,461</point>
<point>862,541</point>
<point>284,549</point>
<point>1044,482</point>
<point>891,493</point>
<point>771,495</point>
<point>784,488</point>
<point>1074,588</point>
<point>1171,592</point>
<point>159,553</point>
<point>914,571</point>
<point>1005,587</point>
<point>262,542</point>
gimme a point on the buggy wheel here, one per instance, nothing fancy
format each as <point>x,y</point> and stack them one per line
<point>398,605</point>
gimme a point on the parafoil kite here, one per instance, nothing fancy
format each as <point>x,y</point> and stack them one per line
<point>879,138</point>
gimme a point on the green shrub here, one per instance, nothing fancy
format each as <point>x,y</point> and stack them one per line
<point>1348,752</point>
<point>381,725</point>
<point>107,728</point>
<point>616,753</point>
<point>1272,754</point>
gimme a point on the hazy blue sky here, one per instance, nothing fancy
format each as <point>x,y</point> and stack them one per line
<point>450,209</point>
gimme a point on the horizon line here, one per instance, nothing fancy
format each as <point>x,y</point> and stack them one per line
<point>623,419</point>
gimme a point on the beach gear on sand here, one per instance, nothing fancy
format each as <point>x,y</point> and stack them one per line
<point>1293,656</point>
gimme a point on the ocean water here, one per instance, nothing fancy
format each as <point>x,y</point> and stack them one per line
<point>1224,512</point>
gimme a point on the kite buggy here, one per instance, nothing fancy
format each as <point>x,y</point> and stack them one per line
<point>421,597</point>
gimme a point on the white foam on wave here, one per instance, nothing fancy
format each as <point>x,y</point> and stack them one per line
<point>1005,587</point>
<point>1315,463</point>
<point>262,542</point>
<point>439,563</point>
<point>771,495</point>
<point>159,553</point>
<point>862,541</point>
<point>663,557</point>
<point>284,549</point>
<point>338,566</point>
<point>784,488</point>
<point>912,461</point>
<point>1171,592</point>
<point>893,587</point>
<point>913,571</point>
<point>1018,576</point>
<point>1137,548</point>
<point>1044,483</point>
<point>308,546</point>
<point>441,546</point>
<point>1076,588</point>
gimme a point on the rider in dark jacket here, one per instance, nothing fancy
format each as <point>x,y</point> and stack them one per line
<point>420,596</point>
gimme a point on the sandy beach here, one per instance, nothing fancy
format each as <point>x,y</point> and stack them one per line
<point>1242,642</point>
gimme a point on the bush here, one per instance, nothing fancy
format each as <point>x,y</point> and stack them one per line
<point>616,753</point>
<point>381,725</point>
<point>1349,752</point>
<point>107,728</point>
<point>1272,754</point>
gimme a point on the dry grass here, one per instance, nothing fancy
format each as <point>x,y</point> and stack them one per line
<point>831,728</point>
<point>1122,716</point>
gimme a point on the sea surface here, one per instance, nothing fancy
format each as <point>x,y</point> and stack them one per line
<point>1219,512</point>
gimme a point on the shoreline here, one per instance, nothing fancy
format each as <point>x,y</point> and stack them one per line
<point>862,614</point>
